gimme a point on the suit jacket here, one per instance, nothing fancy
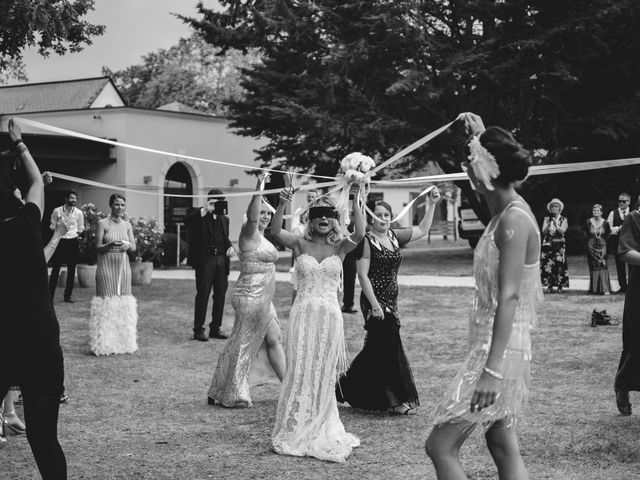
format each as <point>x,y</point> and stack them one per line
<point>199,238</point>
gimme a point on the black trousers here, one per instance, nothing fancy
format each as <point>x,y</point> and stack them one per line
<point>212,275</point>
<point>348,279</point>
<point>621,269</point>
<point>40,380</point>
<point>66,253</point>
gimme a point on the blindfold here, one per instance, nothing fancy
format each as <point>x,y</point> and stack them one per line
<point>319,212</point>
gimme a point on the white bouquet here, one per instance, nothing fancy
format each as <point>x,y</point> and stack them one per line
<point>354,166</point>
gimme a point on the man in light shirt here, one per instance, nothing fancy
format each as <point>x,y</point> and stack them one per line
<point>615,219</point>
<point>67,251</point>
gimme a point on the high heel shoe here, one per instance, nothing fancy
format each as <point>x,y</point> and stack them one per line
<point>12,422</point>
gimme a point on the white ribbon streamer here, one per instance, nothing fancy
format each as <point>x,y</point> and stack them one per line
<point>71,133</point>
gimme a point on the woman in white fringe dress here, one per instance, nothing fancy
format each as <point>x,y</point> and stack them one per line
<point>307,420</point>
<point>114,311</point>
<point>493,382</point>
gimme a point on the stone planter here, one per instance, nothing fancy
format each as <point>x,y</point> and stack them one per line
<point>86,275</point>
<point>141,273</point>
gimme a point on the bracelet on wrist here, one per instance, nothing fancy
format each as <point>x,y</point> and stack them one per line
<point>17,142</point>
<point>21,148</point>
<point>493,373</point>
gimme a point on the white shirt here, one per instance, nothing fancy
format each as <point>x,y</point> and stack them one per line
<point>622,213</point>
<point>74,220</point>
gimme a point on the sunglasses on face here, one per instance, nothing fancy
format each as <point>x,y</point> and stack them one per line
<point>622,200</point>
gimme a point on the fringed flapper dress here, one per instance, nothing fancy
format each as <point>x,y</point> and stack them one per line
<point>455,407</point>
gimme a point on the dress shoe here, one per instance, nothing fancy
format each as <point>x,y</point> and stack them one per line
<point>621,290</point>
<point>349,310</point>
<point>210,401</point>
<point>13,424</point>
<point>217,334</point>
<point>200,336</point>
<point>622,402</point>
<point>64,398</point>
<point>68,300</point>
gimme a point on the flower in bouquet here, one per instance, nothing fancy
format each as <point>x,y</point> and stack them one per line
<point>354,167</point>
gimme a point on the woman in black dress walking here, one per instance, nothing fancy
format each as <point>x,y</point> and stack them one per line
<point>379,377</point>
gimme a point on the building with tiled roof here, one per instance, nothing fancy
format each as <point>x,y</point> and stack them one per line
<point>79,94</point>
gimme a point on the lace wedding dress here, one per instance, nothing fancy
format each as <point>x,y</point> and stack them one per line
<point>307,420</point>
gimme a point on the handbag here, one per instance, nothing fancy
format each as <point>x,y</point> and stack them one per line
<point>601,317</point>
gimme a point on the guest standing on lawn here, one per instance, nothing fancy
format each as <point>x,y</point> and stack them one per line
<point>67,251</point>
<point>555,273</point>
<point>598,230</point>
<point>628,375</point>
<point>30,355</point>
<point>380,377</point>
<point>114,311</point>
<point>307,419</point>
<point>494,379</point>
<point>615,219</point>
<point>256,322</point>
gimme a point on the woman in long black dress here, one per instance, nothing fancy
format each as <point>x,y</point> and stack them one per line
<point>379,378</point>
<point>598,231</point>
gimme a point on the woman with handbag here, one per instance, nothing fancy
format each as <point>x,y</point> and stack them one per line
<point>555,272</point>
<point>379,378</point>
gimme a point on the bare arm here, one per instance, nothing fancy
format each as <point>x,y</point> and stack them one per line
<point>60,229</point>
<point>563,224</point>
<point>511,238</point>
<point>132,239</point>
<point>363,265</point>
<point>287,239</point>
<point>35,191</point>
<point>359,224</point>
<point>545,225</point>
<point>422,229</point>
<point>250,227</point>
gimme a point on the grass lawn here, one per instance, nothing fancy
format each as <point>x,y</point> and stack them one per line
<point>144,416</point>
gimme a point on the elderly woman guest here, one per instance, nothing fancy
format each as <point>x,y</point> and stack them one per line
<point>598,231</point>
<point>256,324</point>
<point>490,387</point>
<point>380,377</point>
<point>114,314</point>
<point>555,272</point>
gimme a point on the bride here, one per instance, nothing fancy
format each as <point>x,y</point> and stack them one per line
<point>307,421</point>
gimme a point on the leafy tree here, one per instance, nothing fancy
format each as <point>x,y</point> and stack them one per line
<point>51,26</point>
<point>14,70</point>
<point>192,72</point>
<point>339,76</point>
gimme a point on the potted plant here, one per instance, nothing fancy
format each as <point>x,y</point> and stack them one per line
<point>88,255</point>
<point>149,249</point>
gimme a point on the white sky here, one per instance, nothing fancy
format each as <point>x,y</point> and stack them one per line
<point>134,28</point>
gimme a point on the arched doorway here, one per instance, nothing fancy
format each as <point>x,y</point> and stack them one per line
<point>177,181</point>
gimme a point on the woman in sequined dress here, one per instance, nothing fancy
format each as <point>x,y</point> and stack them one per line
<point>255,344</point>
<point>492,384</point>
<point>380,378</point>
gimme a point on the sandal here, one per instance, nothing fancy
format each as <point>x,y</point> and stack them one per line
<point>622,401</point>
<point>402,409</point>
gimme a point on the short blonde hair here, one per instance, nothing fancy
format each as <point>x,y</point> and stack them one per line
<point>335,236</point>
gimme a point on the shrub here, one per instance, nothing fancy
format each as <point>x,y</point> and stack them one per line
<point>149,243</point>
<point>87,240</point>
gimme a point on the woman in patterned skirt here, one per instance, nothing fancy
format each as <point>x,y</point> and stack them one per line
<point>114,314</point>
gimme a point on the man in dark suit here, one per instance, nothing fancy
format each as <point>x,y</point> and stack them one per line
<point>209,254</point>
<point>616,219</point>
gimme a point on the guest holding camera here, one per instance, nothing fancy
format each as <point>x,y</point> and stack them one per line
<point>209,254</point>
